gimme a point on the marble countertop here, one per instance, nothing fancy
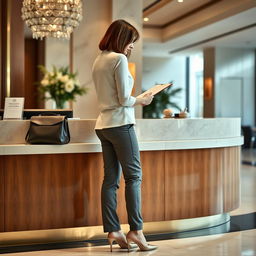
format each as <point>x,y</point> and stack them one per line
<point>153,134</point>
<point>24,149</point>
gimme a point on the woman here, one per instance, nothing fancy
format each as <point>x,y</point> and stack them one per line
<point>114,127</point>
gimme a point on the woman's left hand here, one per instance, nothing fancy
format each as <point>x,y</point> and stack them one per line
<point>145,100</point>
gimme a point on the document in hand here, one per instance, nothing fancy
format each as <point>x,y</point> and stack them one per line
<point>156,89</point>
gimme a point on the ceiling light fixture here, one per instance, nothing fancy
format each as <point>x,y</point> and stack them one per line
<point>180,1</point>
<point>52,18</point>
<point>146,19</point>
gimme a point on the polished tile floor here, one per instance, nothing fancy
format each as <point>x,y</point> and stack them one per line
<point>233,244</point>
<point>228,244</point>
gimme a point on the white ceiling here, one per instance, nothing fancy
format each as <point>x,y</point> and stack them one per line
<point>242,39</point>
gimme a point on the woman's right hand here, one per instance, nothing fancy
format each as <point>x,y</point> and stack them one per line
<point>145,100</point>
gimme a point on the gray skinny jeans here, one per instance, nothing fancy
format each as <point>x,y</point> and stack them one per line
<point>120,153</point>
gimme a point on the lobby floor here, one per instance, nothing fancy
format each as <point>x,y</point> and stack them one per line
<point>233,243</point>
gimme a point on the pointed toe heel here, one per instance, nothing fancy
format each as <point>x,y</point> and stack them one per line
<point>148,247</point>
<point>140,241</point>
<point>129,247</point>
<point>110,241</point>
<point>119,238</point>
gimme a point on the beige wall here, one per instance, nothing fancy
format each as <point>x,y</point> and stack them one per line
<point>96,19</point>
<point>236,64</point>
<point>131,12</point>
<point>97,15</point>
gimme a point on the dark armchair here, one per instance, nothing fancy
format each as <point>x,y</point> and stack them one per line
<point>249,137</point>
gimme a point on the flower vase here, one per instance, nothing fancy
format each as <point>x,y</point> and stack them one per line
<point>60,104</point>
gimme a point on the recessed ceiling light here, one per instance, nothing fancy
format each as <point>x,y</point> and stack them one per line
<point>146,19</point>
<point>180,1</point>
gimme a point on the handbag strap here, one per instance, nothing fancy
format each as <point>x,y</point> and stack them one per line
<point>66,123</point>
<point>26,138</point>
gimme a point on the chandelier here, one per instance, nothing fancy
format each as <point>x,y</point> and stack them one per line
<point>52,18</point>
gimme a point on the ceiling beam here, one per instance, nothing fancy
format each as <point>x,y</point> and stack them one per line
<point>189,13</point>
<point>207,16</point>
<point>155,6</point>
<point>212,38</point>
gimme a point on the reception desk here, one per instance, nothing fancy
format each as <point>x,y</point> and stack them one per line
<point>51,193</point>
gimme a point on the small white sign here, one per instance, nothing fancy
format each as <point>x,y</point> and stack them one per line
<point>13,108</point>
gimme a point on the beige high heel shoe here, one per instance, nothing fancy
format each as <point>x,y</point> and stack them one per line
<point>138,238</point>
<point>120,239</point>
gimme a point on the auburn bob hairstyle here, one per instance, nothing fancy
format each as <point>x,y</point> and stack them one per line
<point>119,34</point>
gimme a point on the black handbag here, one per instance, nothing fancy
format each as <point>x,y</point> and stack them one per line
<point>48,130</point>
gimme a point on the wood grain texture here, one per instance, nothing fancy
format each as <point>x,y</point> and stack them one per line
<point>1,195</point>
<point>17,50</point>
<point>1,54</point>
<point>92,182</point>
<point>34,56</point>
<point>52,191</point>
<point>156,6</point>
<point>121,203</point>
<point>231,178</point>
<point>31,66</point>
<point>152,188</point>
<point>3,50</point>
<point>63,190</point>
<point>201,182</point>
<point>16,44</point>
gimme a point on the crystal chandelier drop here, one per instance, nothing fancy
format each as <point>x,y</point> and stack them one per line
<point>52,18</point>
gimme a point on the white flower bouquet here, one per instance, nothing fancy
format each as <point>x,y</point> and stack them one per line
<point>59,85</point>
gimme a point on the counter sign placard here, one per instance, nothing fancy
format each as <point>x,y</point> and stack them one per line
<point>13,108</point>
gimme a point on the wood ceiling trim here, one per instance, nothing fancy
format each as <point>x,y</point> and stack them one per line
<point>151,5</point>
<point>213,38</point>
<point>209,16</point>
<point>155,6</point>
<point>192,12</point>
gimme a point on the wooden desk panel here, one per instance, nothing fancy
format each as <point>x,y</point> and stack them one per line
<point>63,190</point>
<point>1,195</point>
<point>52,191</point>
<point>231,162</point>
<point>201,182</point>
<point>152,189</point>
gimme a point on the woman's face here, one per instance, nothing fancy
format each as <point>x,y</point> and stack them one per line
<point>128,48</point>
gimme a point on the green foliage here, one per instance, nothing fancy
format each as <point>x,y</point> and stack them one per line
<point>160,102</point>
<point>59,85</point>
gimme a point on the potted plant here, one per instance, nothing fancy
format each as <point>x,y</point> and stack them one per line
<point>160,102</point>
<point>59,85</point>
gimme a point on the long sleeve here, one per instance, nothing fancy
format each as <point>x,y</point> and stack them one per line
<point>123,80</point>
<point>113,83</point>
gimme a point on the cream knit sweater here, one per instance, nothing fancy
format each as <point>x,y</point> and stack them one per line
<point>113,83</point>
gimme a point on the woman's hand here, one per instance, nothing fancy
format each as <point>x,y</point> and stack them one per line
<point>145,100</point>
